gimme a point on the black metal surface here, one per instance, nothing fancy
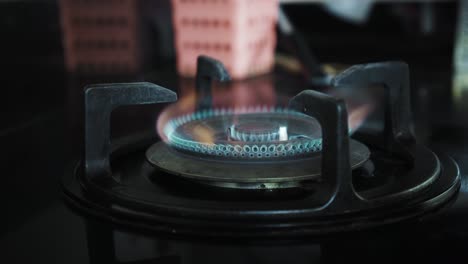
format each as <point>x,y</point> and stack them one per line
<point>208,70</point>
<point>394,77</point>
<point>100,100</point>
<point>336,168</point>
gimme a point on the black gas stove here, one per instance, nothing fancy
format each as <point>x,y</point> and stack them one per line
<point>104,226</point>
<point>264,171</point>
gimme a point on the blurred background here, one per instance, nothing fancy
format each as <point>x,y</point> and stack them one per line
<point>43,42</point>
<point>51,49</point>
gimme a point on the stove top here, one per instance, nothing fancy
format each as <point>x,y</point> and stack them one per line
<point>57,234</point>
<point>344,185</point>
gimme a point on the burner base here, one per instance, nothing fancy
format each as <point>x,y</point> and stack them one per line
<point>133,200</point>
<point>288,173</point>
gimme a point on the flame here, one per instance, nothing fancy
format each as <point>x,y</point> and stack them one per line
<point>242,96</point>
<point>185,105</point>
<point>204,134</point>
<point>358,115</point>
<point>253,95</point>
<point>359,102</point>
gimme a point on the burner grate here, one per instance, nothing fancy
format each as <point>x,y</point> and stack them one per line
<point>333,197</point>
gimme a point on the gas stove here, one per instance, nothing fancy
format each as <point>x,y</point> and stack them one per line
<point>292,169</point>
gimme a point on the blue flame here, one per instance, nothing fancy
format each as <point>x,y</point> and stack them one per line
<point>252,149</point>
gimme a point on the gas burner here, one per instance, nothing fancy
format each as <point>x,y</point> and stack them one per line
<point>255,174</point>
<point>252,133</point>
<point>183,186</point>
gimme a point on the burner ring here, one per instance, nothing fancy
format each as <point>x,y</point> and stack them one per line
<point>246,134</point>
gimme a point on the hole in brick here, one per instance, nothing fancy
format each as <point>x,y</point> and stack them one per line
<point>227,47</point>
<point>217,47</point>
<point>226,23</point>
<point>216,23</point>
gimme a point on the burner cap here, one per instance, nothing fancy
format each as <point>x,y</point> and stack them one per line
<point>249,134</point>
<point>258,131</point>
